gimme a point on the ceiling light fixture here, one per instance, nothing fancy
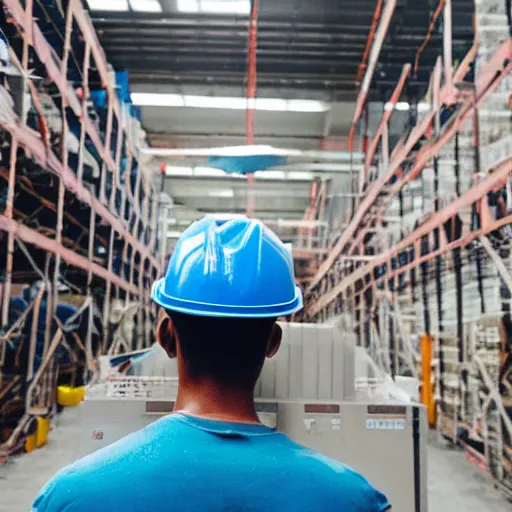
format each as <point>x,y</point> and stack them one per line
<point>215,102</point>
<point>403,106</point>
<point>143,99</point>
<point>268,104</point>
<point>307,106</point>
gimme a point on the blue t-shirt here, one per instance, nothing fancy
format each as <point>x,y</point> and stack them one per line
<point>184,463</point>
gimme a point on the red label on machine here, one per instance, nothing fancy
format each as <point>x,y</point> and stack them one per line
<point>321,409</point>
<point>97,435</point>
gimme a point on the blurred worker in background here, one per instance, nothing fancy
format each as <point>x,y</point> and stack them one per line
<point>226,284</point>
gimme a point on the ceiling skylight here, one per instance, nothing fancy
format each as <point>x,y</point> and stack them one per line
<point>108,5</point>
<point>125,5</point>
<point>240,7</point>
<point>145,5</point>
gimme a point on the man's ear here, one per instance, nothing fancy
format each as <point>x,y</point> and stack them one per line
<point>166,335</point>
<point>274,341</point>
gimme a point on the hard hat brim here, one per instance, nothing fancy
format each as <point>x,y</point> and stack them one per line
<point>159,296</point>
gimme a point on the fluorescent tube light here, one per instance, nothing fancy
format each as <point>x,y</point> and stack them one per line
<point>227,102</point>
<point>108,5</point>
<point>215,102</point>
<point>145,5</point>
<point>270,104</point>
<point>402,106</point>
<point>144,99</point>
<point>307,106</point>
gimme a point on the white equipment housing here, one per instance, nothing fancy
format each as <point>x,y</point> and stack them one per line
<point>314,361</point>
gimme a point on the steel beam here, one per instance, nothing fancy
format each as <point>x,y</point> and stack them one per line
<point>380,36</point>
<point>386,116</point>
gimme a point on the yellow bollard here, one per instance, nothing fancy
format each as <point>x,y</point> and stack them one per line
<point>427,393</point>
<point>43,427</point>
<point>30,443</point>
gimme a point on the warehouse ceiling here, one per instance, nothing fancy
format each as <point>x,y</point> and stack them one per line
<point>306,50</point>
<point>305,45</point>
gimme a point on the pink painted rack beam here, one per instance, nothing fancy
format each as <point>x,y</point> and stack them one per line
<point>386,116</point>
<point>48,57</point>
<point>33,144</point>
<point>398,157</point>
<point>495,179</point>
<point>30,236</point>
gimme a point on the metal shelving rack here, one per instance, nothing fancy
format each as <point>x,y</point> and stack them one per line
<point>430,286</point>
<point>99,237</point>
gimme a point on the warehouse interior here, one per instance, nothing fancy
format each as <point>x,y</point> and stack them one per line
<point>372,136</point>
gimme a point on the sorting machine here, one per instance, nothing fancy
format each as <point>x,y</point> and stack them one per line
<point>308,392</point>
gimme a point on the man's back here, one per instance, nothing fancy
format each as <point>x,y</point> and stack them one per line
<point>184,463</point>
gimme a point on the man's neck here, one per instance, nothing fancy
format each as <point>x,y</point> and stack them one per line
<point>216,401</point>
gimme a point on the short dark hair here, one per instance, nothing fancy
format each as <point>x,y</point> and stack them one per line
<point>226,349</point>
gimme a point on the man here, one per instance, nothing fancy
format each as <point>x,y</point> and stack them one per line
<point>226,284</point>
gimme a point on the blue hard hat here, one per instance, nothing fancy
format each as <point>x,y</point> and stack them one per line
<point>229,268</point>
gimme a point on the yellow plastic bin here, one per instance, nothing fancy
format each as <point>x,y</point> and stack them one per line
<point>43,427</point>
<point>68,396</point>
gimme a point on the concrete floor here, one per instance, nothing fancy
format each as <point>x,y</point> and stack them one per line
<point>455,485</point>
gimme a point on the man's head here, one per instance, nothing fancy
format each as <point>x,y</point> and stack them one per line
<point>227,282</point>
<point>225,350</point>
